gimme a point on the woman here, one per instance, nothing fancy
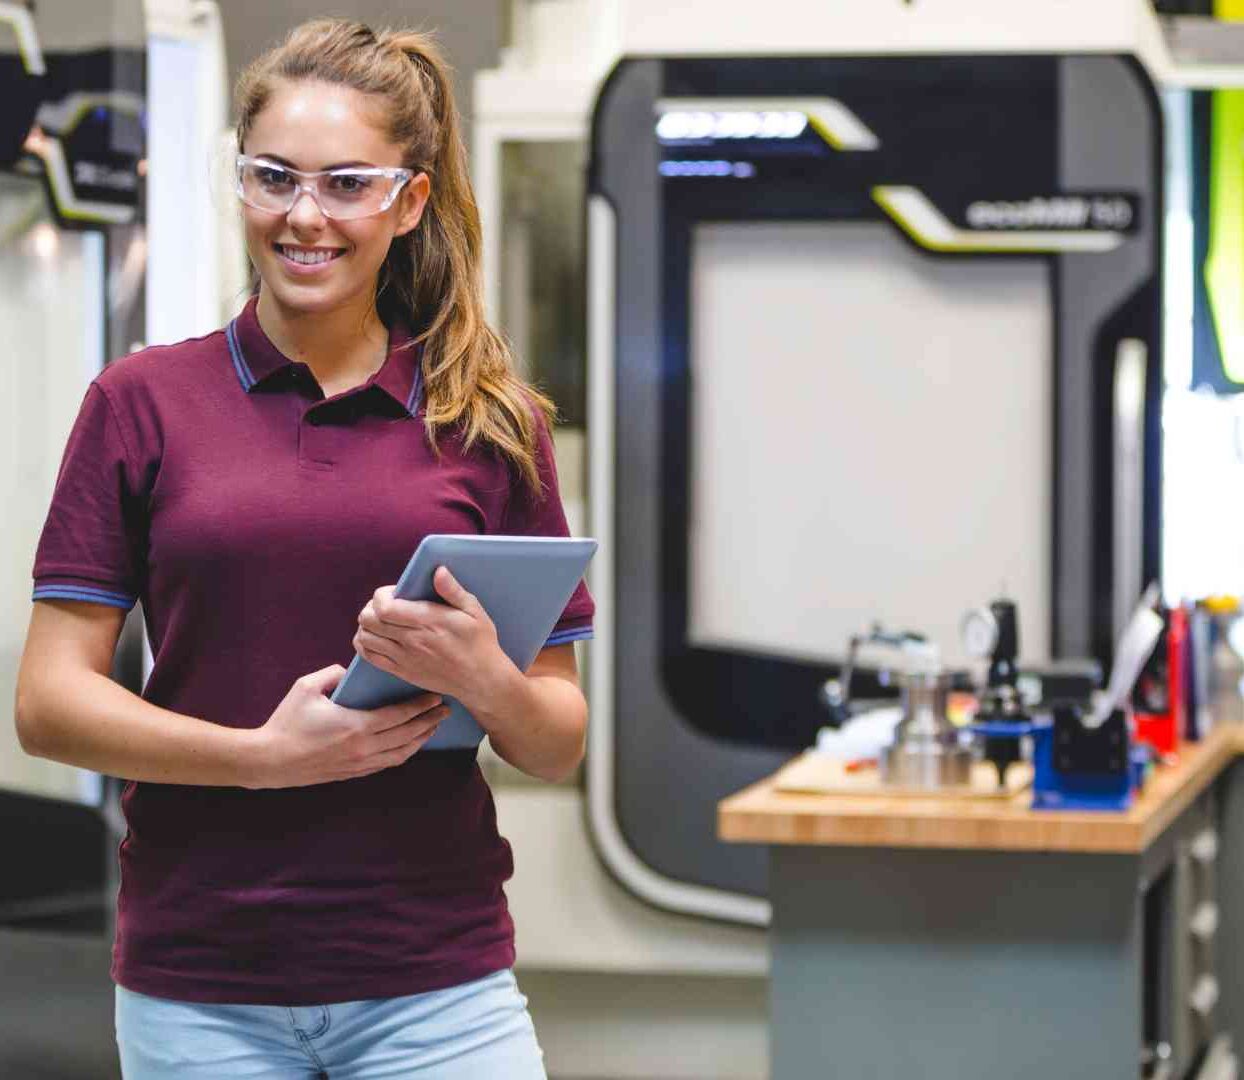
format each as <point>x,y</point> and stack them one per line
<point>302,892</point>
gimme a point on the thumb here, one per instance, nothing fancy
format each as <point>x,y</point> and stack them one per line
<point>325,680</point>
<point>449,590</point>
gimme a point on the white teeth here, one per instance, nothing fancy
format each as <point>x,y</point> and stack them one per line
<point>307,257</point>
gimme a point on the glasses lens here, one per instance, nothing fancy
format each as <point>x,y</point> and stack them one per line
<point>343,193</point>
<point>348,193</point>
<point>265,186</point>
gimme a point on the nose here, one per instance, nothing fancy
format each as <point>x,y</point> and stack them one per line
<point>305,212</point>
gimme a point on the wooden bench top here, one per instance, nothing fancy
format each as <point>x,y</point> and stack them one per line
<point>760,814</point>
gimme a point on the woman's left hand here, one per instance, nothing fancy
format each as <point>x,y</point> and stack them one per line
<point>449,648</point>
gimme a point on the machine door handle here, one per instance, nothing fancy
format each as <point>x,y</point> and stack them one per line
<point>1128,512</point>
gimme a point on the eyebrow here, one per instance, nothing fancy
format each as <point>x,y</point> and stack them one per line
<point>277,159</point>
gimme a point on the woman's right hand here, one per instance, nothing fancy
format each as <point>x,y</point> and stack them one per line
<point>310,740</point>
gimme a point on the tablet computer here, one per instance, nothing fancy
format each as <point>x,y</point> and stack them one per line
<point>523,582</point>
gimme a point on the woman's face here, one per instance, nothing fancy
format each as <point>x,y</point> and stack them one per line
<point>311,126</point>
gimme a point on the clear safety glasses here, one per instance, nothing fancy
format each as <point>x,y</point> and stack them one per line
<point>355,192</point>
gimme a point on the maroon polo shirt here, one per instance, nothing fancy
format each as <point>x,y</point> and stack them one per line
<point>254,519</point>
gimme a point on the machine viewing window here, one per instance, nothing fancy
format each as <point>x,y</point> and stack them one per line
<point>836,351</point>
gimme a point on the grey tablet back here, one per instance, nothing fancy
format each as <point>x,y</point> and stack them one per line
<point>523,582</point>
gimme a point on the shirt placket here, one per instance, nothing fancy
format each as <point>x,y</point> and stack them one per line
<point>324,426</point>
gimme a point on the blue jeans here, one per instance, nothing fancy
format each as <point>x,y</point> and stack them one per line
<point>478,1031</point>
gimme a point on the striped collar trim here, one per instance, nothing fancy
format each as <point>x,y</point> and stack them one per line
<point>245,376</point>
<point>254,358</point>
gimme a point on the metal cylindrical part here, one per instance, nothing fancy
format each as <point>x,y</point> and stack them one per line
<point>928,764</point>
<point>926,752</point>
<point>925,696</point>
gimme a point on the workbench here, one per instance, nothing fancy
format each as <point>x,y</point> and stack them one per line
<point>956,939</point>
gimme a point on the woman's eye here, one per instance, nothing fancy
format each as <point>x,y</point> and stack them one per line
<point>272,178</point>
<point>349,183</point>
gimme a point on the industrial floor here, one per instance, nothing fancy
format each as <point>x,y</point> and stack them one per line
<point>56,1007</point>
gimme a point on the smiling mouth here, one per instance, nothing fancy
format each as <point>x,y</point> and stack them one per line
<point>308,256</point>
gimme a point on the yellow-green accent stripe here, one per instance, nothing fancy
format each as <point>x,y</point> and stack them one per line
<point>23,24</point>
<point>1224,264</point>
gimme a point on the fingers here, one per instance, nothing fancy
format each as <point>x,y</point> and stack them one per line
<point>397,752</point>
<point>393,716</point>
<point>376,650</point>
<point>386,613</point>
<point>396,738</point>
<point>448,588</point>
<point>386,609</point>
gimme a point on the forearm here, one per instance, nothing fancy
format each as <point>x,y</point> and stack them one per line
<point>87,719</point>
<point>537,723</point>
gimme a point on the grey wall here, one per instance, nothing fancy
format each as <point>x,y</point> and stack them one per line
<point>469,31</point>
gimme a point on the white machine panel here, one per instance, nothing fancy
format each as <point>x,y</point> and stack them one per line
<point>921,391</point>
<point>885,26</point>
<point>51,304</point>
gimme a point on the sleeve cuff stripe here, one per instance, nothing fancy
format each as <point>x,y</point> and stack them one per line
<point>561,637</point>
<point>76,592</point>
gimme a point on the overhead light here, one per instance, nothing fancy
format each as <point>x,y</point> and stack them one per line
<point>740,169</point>
<point>686,118</point>
<point>681,125</point>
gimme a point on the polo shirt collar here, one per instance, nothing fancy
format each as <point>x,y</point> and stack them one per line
<point>256,359</point>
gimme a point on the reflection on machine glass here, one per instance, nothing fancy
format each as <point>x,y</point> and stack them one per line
<point>915,392</point>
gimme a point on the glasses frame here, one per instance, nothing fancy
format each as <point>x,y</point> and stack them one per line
<point>305,181</point>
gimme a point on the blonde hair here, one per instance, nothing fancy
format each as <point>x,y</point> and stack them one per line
<point>431,276</point>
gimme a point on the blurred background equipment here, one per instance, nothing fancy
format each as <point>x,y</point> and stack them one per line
<point>883,284</point>
<point>718,374</point>
<point>72,263</point>
<point>109,240</point>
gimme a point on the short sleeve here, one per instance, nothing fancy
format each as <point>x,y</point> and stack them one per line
<point>532,514</point>
<point>93,544</point>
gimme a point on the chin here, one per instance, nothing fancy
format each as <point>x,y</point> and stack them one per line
<point>312,298</point>
<point>309,299</point>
